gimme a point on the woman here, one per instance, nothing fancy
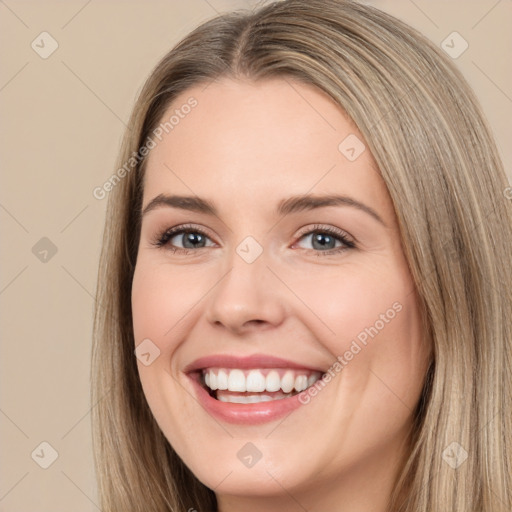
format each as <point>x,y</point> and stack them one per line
<point>234,368</point>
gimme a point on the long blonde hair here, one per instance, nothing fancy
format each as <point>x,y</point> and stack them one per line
<point>435,153</point>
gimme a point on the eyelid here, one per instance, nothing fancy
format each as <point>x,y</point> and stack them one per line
<point>177,230</point>
<point>343,237</point>
<point>326,228</point>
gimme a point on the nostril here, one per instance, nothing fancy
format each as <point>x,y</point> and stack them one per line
<point>254,322</point>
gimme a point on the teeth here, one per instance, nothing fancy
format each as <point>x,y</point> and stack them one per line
<point>236,380</point>
<point>222,380</point>
<point>255,381</point>
<point>301,382</point>
<point>258,381</point>
<point>287,382</point>
<point>213,381</point>
<point>273,381</point>
<point>251,399</point>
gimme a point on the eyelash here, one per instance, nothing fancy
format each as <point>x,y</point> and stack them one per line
<point>162,239</point>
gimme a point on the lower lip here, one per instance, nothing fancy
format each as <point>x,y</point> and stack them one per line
<point>245,414</point>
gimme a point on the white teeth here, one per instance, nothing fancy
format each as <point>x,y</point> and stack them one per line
<point>255,381</point>
<point>213,381</point>
<point>222,380</point>
<point>273,381</point>
<point>251,399</point>
<point>236,380</point>
<point>287,382</point>
<point>301,382</point>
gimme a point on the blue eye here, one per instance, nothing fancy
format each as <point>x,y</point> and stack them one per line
<point>190,237</point>
<point>325,240</point>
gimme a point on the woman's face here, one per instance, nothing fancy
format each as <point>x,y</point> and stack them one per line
<point>290,266</point>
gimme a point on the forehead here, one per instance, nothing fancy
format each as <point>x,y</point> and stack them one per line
<point>255,142</point>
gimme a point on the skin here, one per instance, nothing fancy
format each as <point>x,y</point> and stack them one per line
<point>245,147</point>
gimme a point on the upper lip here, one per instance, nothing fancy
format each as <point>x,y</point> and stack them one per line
<point>245,362</point>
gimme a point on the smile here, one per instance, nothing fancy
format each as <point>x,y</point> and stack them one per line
<point>235,385</point>
<point>249,390</point>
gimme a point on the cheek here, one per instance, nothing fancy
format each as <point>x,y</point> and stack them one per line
<point>353,303</point>
<point>162,300</point>
<point>374,334</point>
<point>378,352</point>
<point>159,315</point>
<point>151,304</point>
<point>162,306</point>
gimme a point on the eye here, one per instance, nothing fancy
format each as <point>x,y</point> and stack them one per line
<point>189,236</point>
<point>327,240</point>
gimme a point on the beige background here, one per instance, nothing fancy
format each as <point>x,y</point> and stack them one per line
<point>62,119</point>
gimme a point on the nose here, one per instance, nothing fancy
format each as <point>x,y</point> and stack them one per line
<point>248,297</point>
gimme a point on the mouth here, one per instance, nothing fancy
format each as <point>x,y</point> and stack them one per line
<point>249,386</point>
<point>250,389</point>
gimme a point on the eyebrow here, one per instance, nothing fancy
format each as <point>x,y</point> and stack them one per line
<point>293,204</point>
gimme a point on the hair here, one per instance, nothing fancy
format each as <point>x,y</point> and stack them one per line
<point>435,152</point>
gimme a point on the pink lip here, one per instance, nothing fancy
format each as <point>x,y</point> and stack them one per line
<point>244,414</point>
<point>243,362</point>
